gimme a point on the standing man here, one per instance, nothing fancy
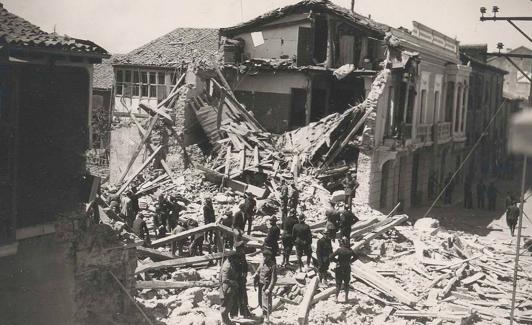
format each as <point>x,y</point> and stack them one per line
<point>509,200</point>
<point>492,196</point>
<point>323,252</point>
<point>229,288</point>
<point>284,200</point>
<point>333,222</point>
<point>350,187</point>
<point>239,219</point>
<point>272,239</point>
<point>481,194</point>
<point>288,239</point>
<point>209,217</point>
<point>267,277</point>
<point>294,197</point>
<point>227,220</point>
<point>512,215</point>
<point>347,220</point>
<point>343,257</point>
<point>242,273</point>
<point>249,209</point>
<point>303,241</point>
<point>140,229</point>
<point>177,245</point>
<point>196,241</point>
<point>468,193</point>
<point>126,209</point>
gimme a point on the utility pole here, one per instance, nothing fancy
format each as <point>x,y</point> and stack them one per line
<point>508,56</point>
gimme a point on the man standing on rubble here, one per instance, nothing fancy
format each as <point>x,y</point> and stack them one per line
<point>347,220</point>
<point>242,273</point>
<point>303,241</point>
<point>140,229</point>
<point>196,241</point>
<point>294,197</point>
<point>333,222</point>
<point>343,257</point>
<point>249,209</point>
<point>350,187</point>
<point>239,219</point>
<point>266,277</point>
<point>209,217</point>
<point>272,239</point>
<point>323,252</point>
<point>512,215</point>
<point>229,287</point>
<point>284,200</point>
<point>227,220</point>
<point>288,239</point>
<point>126,208</point>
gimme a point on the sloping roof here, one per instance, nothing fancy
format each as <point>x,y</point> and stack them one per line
<point>466,58</point>
<point>18,32</point>
<point>182,45</point>
<point>317,6</point>
<point>521,48</point>
<point>103,74</point>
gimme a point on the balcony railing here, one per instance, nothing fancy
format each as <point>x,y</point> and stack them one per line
<point>442,132</point>
<point>424,133</point>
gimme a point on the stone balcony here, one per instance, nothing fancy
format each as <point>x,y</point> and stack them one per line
<point>442,132</point>
<point>424,134</point>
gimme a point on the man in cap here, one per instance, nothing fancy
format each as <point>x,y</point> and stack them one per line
<point>229,286</point>
<point>350,187</point>
<point>303,241</point>
<point>343,257</point>
<point>266,277</point>
<point>323,252</point>
<point>140,229</point>
<point>177,245</point>
<point>288,239</point>
<point>333,222</point>
<point>196,241</point>
<point>126,208</point>
<point>242,272</point>
<point>294,197</point>
<point>227,220</point>
<point>249,209</point>
<point>272,239</point>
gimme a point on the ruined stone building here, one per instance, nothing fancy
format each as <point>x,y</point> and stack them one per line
<point>49,254</point>
<point>283,62</point>
<point>420,123</point>
<point>147,74</point>
<point>516,85</point>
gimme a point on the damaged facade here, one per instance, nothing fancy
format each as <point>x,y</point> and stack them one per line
<point>419,129</point>
<point>49,254</point>
<point>281,64</point>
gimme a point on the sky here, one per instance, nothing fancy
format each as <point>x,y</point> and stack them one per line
<point>123,25</point>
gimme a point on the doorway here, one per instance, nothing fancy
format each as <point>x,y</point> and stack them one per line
<point>298,114</point>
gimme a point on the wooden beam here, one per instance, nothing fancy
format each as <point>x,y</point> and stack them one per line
<point>140,169</point>
<point>304,306</point>
<point>324,294</point>
<point>175,284</point>
<point>153,254</point>
<point>156,111</point>
<point>398,220</point>
<point>178,262</point>
<point>183,235</point>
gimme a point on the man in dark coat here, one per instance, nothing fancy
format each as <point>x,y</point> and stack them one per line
<point>294,197</point>
<point>242,270</point>
<point>239,219</point>
<point>303,241</point>
<point>288,239</point>
<point>140,229</point>
<point>333,222</point>
<point>272,239</point>
<point>229,289</point>
<point>323,253</point>
<point>347,220</point>
<point>512,216</point>
<point>350,187</point>
<point>481,194</point>
<point>196,241</point>
<point>227,220</point>
<point>249,210</point>
<point>209,217</point>
<point>343,257</point>
<point>266,277</point>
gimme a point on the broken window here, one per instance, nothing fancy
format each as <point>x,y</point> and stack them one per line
<point>458,107</point>
<point>449,102</point>
<point>422,106</point>
<point>320,39</point>
<point>298,112</point>
<point>410,104</point>
<point>304,46</point>
<point>437,116</point>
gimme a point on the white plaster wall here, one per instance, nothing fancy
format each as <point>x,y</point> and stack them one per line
<point>280,82</point>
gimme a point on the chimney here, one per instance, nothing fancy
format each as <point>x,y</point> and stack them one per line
<point>353,6</point>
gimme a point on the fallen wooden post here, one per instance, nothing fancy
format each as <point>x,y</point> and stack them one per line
<point>475,277</point>
<point>457,263</point>
<point>324,294</point>
<point>175,284</point>
<point>140,169</point>
<point>183,235</point>
<point>154,254</point>
<point>382,284</point>
<point>448,287</point>
<point>305,304</point>
<point>398,220</point>
<point>178,262</point>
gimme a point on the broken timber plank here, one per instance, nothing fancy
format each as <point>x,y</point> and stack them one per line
<point>305,304</point>
<point>178,262</point>
<point>183,235</point>
<point>448,287</point>
<point>155,111</point>
<point>175,284</point>
<point>153,254</point>
<point>140,169</point>
<point>398,220</point>
<point>324,294</point>
<point>382,284</point>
